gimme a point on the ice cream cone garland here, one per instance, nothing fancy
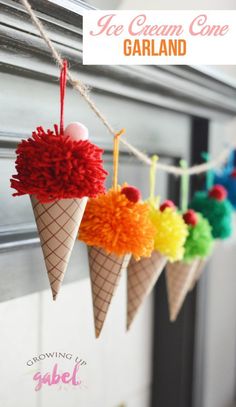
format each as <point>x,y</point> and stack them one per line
<point>170,235</point>
<point>59,170</point>
<point>115,225</point>
<point>198,245</point>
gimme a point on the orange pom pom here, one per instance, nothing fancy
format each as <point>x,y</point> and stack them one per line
<point>118,225</point>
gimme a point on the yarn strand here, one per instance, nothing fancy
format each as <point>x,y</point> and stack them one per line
<point>116,158</point>
<point>184,186</point>
<point>152,177</point>
<point>63,78</point>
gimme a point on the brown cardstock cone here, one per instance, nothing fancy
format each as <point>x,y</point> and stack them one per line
<point>58,224</point>
<point>105,273</point>
<point>198,272</point>
<point>141,278</point>
<point>179,276</point>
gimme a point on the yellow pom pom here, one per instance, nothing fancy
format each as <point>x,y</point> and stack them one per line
<point>171,232</point>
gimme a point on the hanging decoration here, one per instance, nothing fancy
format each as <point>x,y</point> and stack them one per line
<point>226,177</point>
<point>170,235</point>
<point>115,226</point>
<point>214,206</point>
<point>200,241</point>
<point>198,246</point>
<point>59,170</point>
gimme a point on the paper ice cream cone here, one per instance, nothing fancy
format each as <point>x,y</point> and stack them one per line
<point>198,272</point>
<point>58,223</point>
<point>142,276</point>
<point>105,273</point>
<point>179,276</point>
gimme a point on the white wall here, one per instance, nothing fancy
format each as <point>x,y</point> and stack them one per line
<point>117,370</point>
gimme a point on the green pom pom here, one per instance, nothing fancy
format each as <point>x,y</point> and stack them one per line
<point>200,241</point>
<point>218,213</point>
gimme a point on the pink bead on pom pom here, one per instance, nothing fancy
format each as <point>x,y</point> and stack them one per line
<point>76,131</point>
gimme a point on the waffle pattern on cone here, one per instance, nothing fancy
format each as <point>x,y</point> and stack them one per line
<point>105,273</point>
<point>198,272</point>
<point>58,223</point>
<point>179,276</point>
<point>142,276</point>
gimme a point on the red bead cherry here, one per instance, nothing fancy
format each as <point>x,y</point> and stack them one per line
<point>233,174</point>
<point>190,217</point>
<point>167,204</point>
<point>132,194</point>
<point>218,192</point>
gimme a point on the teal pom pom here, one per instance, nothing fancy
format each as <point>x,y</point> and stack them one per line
<point>229,182</point>
<point>199,243</point>
<point>218,213</point>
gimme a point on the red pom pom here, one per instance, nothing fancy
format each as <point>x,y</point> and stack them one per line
<point>233,174</point>
<point>190,217</point>
<point>52,166</point>
<point>132,194</point>
<point>218,192</point>
<point>167,204</point>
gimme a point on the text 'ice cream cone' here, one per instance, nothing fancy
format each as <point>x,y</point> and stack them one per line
<point>59,169</point>
<point>115,225</point>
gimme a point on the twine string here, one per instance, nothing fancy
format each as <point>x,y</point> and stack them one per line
<point>82,89</point>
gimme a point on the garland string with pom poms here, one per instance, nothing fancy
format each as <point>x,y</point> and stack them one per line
<point>79,86</point>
